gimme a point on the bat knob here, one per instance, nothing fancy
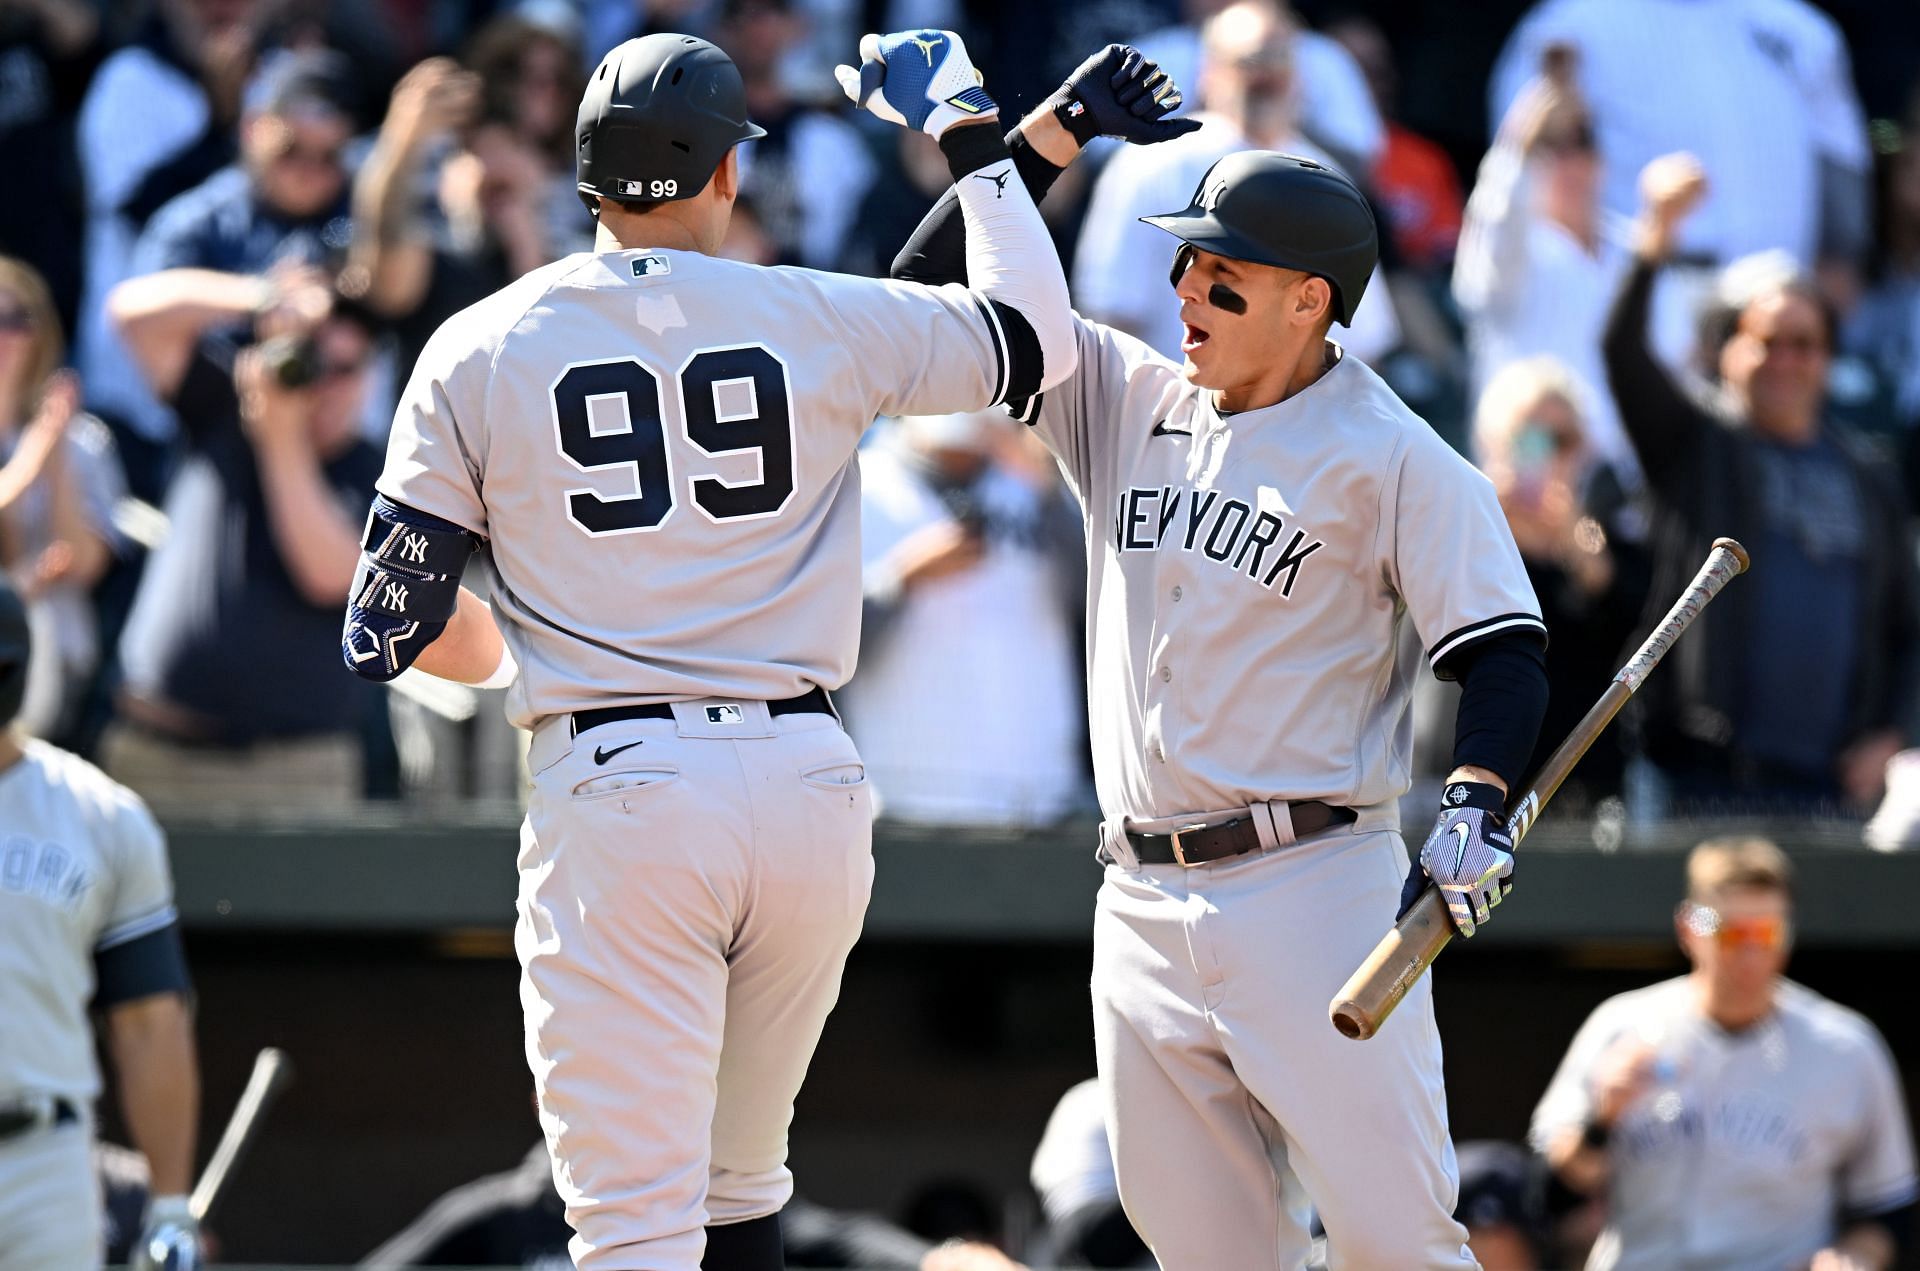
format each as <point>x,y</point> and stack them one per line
<point>1349,1021</point>
<point>1739,552</point>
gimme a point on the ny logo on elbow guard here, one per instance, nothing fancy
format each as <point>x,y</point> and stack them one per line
<point>413,549</point>
<point>396,598</point>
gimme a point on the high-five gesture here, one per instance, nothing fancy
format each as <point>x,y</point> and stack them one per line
<point>918,79</point>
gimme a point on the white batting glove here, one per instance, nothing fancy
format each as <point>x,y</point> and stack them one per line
<point>1469,854</point>
<point>169,1239</point>
<point>918,79</point>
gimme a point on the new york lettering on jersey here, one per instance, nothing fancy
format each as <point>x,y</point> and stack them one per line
<point>1244,537</point>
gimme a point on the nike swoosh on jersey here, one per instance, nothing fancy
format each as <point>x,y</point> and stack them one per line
<point>601,756</point>
<point>1161,430</point>
<point>1460,828</point>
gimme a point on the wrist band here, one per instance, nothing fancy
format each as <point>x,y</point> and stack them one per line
<point>504,674</point>
<point>168,1209</point>
<point>1074,115</point>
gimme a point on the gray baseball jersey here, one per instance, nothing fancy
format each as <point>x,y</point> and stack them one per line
<point>660,446</point>
<point>1249,574</point>
<point>1749,1145</point>
<point>83,868</point>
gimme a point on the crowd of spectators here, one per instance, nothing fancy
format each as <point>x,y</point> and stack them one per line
<point>1679,297</point>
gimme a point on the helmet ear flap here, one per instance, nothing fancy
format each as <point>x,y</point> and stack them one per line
<point>1182,258</point>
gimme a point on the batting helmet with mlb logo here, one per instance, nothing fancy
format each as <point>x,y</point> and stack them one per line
<point>658,116</point>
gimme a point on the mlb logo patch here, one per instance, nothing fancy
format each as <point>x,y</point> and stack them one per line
<point>728,714</point>
<point>630,189</point>
<point>649,266</point>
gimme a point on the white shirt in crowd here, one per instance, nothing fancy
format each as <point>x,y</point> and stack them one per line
<point>1527,286</point>
<point>966,705</point>
<point>141,111</point>
<point>1332,101</point>
<point>1120,269</point>
<point>1750,1144</point>
<point>1759,90</point>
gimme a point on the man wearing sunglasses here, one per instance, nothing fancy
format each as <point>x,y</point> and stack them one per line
<point>1731,1117</point>
<point>269,377</point>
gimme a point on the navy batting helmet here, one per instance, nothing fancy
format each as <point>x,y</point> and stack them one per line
<point>658,116</point>
<point>1280,209</point>
<point>15,644</point>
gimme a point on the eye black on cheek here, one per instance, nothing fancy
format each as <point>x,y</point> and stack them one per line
<point>1221,296</point>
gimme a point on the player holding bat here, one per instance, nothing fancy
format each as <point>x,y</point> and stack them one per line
<point>86,916</point>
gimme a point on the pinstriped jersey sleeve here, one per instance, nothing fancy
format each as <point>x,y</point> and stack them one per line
<point>1449,554</point>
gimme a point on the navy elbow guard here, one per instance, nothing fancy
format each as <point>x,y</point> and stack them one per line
<point>405,590</point>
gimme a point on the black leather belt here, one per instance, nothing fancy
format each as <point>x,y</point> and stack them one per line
<point>1231,838</point>
<point>15,1121</point>
<point>812,702</point>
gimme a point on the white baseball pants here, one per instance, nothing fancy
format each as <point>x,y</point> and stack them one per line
<point>689,890</point>
<point>1232,1104</point>
<point>50,1217</point>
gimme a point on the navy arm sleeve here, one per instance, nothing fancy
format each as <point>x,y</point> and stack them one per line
<point>1503,698</point>
<point>405,590</point>
<point>141,967</point>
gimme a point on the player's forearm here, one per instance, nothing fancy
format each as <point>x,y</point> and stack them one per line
<point>469,650</point>
<point>1582,1168</point>
<point>153,1057</point>
<point>1010,256</point>
<point>315,541</point>
<point>1869,1245</point>
<point>936,252</point>
<point>1503,698</point>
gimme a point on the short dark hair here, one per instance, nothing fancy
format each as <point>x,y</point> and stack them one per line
<point>1722,863</point>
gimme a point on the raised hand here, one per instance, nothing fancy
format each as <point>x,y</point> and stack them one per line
<point>1670,188</point>
<point>1119,93</point>
<point>918,79</point>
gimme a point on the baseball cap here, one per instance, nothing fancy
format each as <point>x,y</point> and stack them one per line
<point>307,81</point>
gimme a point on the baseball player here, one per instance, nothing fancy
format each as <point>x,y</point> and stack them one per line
<point>86,919</point>
<point>1730,1117</point>
<point>658,445</point>
<point>1264,521</point>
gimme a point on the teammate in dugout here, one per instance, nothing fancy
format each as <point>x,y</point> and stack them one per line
<point>1262,520</point>
<point>660,447</point>
<point>86,918</point>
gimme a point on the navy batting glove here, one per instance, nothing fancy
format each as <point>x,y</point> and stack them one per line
<point>1119,93</point>
<point>1469,855</point>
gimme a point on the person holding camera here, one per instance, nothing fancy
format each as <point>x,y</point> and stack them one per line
<point>229,698</point>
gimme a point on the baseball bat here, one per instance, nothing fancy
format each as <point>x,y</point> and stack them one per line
<point>271,1072</point>
<point>1404,953</point>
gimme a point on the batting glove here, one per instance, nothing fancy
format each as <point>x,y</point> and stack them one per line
<point>1119,93</point>
<point>919,79</point>
<point>170,1240</point>
<point>1469,855</point>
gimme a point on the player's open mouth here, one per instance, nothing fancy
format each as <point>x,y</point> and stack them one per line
<point>1193,339</point>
